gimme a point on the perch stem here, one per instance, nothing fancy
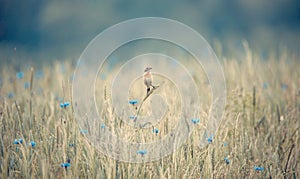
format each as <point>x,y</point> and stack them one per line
<point>139,109</point>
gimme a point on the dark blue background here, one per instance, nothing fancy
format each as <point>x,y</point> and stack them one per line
<point>42,29</point>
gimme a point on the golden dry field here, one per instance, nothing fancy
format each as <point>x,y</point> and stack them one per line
<point>258,136</point>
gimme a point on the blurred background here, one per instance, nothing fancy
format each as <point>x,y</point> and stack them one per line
<point>58,30</point>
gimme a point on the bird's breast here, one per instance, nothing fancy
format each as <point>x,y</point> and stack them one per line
<point>147,75</point>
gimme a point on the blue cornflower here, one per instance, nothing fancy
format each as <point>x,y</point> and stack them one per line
<point>265,85</point>
<point>284,86</point>
<point>210,139</point>
<point>133,102</point>
<point>142,152</point>
<point>132,117</point>
<point>66,165</point>
<point>32,143</point>
<point>26,85</point>
<point>64,104</point>
<point>156,131</point>
<point>10,95</point>
<point>226,160</point>
<point>195,120</point>
<point>83,131</point>
<point>256,168</point>
<point>18,141</point>
<point>20,75</point>
<point>102,126</point>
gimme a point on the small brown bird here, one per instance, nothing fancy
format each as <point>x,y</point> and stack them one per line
<point>148,79</point>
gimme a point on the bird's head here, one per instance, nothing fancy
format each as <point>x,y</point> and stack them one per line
<point>147,69</point>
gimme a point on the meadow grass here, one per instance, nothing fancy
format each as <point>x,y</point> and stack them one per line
<point>260,127</point>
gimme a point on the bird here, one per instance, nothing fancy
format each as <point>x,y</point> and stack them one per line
<point>148,79</point>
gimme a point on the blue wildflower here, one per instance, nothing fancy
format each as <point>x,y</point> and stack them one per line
<point>102,126</point>
<point>66,165</point>
<point>10,95</point>
<point>64,104</point>
<point>32,143</point>
<point>71,145</point>
<point>256,168</point>
<point>132,117</point>
<point>210,139</point>
<point>226,160</point>
<point>18,141</point>
<point>156,131</point>
<point>26,85</point>
<point>142,152</point>
<point>284,86</point>
<point>20,75</point>
<point>133,102</point>
<point>83,131</point>
<point>225,144</point>
<point>195,120</point>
